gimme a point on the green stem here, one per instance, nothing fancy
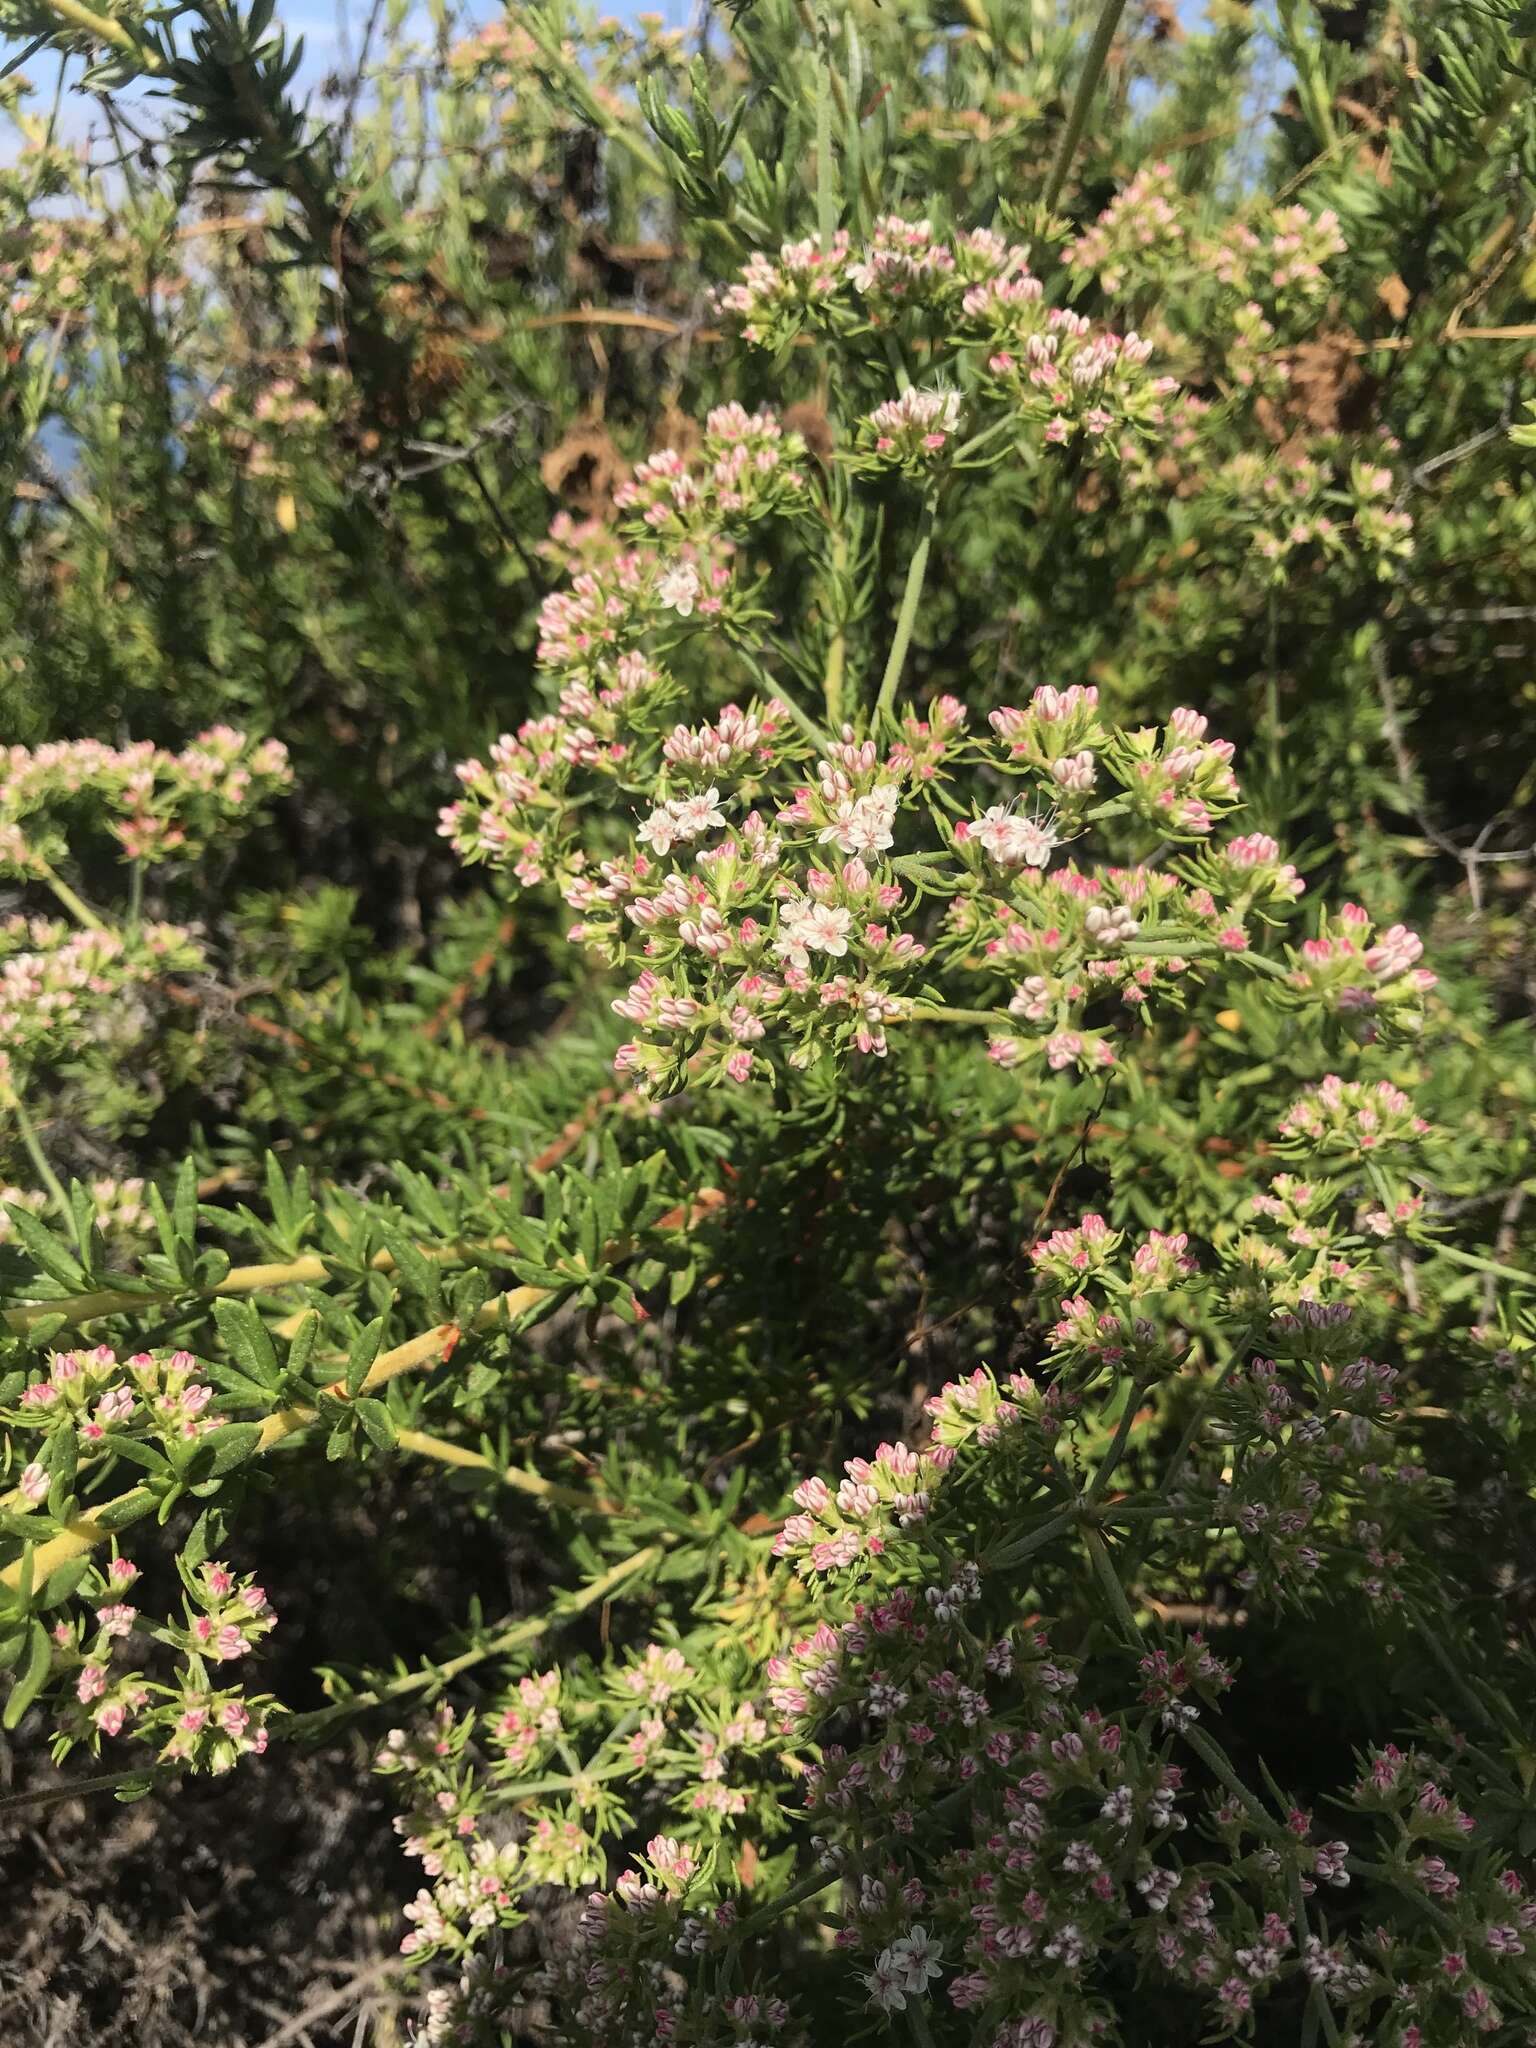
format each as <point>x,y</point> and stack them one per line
<point>39,1158</point>
<point>1109,1581</point>
<point>846,113</point>
<point>460,1456</point>
<point>1383,1873</point>
<point>301,1726</point>
<point>906,618</point>
<point>1203,1408</point>
<point>896,359</point>
<point>1317,2003</point>
<point>1037,1539</point>
<point>979,441</point>
<point>77,909</point>
<point>941,1013</point>
<point>1273,732</point>
<point>780,695</point>
<point>1221,1766</point>
<point>1116,1451</point>
<point>922,2033</point>
<point>135,897</point>
<point>826,193</point>
<point>802,1889</point>
<point>837,647</point>
<point>102,30</point>
<point>80,1788</point>
<point>1481,1265</point>
<point>1082,99</point>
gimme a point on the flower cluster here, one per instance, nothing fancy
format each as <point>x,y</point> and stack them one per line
<point>1130,1328</point>
<point>92,1402</point>
<point>1054,370</point>
<point>1058,372</point>
<point>1348,1119</point>
<point>1294,509</point>
<point>907,265</point>
<point>912,432</point>
<point>875,1494</point>
<point>1283,259</point>
<point>1138,238</point>
<point>198,1722</point>
<point>118,1207</point>
<point>762,907</point>
<point>158,805</point>
<point>746,467</point>
<point>59,986</point>
<point>1356,971</point>
<point>997,1838</point>
<point>485,1837</point>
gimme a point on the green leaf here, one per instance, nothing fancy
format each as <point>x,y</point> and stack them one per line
<point>248,1341</point>
<point>32,1676</point>
<point>137,1452</point>
<point>365,1349</point>
<point>231,1444</point>
<point>195,1549</point>
<point>60,1584</point>
<point>377,1421</point>
<point>184,1210</point>
<point>164,1222</point>
<point>63,1464</point>
<point>57,1260</point>
<point>301,1346</point>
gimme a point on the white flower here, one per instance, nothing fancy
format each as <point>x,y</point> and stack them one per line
<point>679,588</point>
<point>697,814</point>
<point>681,818</point>
<point>917,1956</point>
<point>863,824</point>
<point>886,1983</point>
<point>824,927</point>
<point>1013,841</point>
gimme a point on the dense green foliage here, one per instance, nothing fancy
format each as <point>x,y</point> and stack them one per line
<point>728,532</point>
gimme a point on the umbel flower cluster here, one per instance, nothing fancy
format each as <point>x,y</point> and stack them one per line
<point>780,901</point>
<point>1145,236</point>
<point>779,895</point>
<point>157,804</point>
<point>67,984</point>
<point>781,887</point>
<point>200,1717</point>
<point>1062,378</point>
<point>60,985</point>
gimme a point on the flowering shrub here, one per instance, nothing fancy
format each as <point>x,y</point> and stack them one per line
<point>873,1326</point>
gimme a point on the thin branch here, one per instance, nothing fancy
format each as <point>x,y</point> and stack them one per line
<point>331,2001</point>
<point>1470,859</point>
<point>1087,85</point>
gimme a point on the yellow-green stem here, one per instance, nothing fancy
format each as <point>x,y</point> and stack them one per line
<point>75,905</point>
<point>906,618</point>
<point>88,1531</point>
<point>85,1308</point>
<point>1082,99</point>
<point>102,29</point>
<point>39,1159</point>
<point>502,1645</point>
<point>447,1453</point>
